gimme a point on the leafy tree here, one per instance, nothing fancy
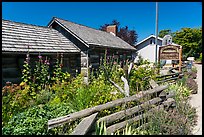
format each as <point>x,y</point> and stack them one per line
<point>164,32</point>
<point>191,41</point>
<point>130,36</point>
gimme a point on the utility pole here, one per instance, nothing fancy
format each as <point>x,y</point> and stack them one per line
<point>156,31</point>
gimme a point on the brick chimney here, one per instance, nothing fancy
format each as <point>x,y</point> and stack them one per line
<point>112,29</point>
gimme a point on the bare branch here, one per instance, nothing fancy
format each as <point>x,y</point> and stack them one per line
<point>130,68</point>
<point>116,85</point>
<point>126,86</point>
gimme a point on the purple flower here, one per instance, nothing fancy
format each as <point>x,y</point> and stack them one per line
<point>47,62</point>
<point>39,57</point>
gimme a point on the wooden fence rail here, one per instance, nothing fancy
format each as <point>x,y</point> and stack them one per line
<point>169,77</point>
<point>86,112</point>
<point>118,120</point>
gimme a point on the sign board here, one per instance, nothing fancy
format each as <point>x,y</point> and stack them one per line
<point>169,52</point>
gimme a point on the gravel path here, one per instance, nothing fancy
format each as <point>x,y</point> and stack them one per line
<point>196,101</point>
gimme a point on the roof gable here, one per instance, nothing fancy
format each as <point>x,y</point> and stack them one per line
<point>16,37</point>
<point>93,36</point>
<point>151,36</point>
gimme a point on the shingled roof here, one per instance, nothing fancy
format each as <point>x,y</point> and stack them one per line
<point>16,37</point>
<point>93,36</point>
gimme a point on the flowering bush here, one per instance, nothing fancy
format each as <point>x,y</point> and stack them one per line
<point>140,77</point>
<point>16,98</point>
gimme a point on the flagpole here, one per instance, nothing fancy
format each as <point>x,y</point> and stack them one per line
<point>156,31</point>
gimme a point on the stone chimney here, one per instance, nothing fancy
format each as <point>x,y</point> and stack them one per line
<point>112,29</point>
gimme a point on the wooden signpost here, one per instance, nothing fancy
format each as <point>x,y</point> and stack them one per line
<point>171,52</point>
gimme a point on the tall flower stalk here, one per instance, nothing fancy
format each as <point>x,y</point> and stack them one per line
<point>26,73</point>
<point>41,73</point>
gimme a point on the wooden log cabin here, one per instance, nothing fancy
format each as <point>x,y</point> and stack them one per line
<point>19,38</point>
<point>93,43</point>
<point>81,46</point>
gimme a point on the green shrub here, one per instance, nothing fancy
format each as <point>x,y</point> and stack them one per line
<point>192,85</point>
<point>140,77</point>
<point>191,74</point>
<point>15,99</point>
<point>173,122</point>
<point>33,121</point>
<point>181,91</point>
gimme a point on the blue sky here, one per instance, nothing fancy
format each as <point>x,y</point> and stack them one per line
<point>139,16</point>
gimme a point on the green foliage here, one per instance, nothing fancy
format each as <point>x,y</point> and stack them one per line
<point>142,61</point>
<point>14,99</point>
<point>41,77</point>
<point>164,32</point>
<point>140,77</point>
<point>101,128</point>
<point>58,74</point>
<point>178,120</point>
<point>181,91</point>
<point>35,89</point>
<point>192,85</point>
<point>174,122</point>
<point>194,69</point>
<point>191,41</point>
<point>41,74</point>
<point>33,121</point>
<point>26,73</point>
<point>200,57</point>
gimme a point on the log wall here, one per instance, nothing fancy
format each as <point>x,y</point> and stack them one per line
<point>12,65</point>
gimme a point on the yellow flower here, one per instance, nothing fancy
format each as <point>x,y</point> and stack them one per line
<point>22,83</point>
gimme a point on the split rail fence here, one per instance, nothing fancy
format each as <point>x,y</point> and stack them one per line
<point>155,98</point>
<point>170,78</point>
